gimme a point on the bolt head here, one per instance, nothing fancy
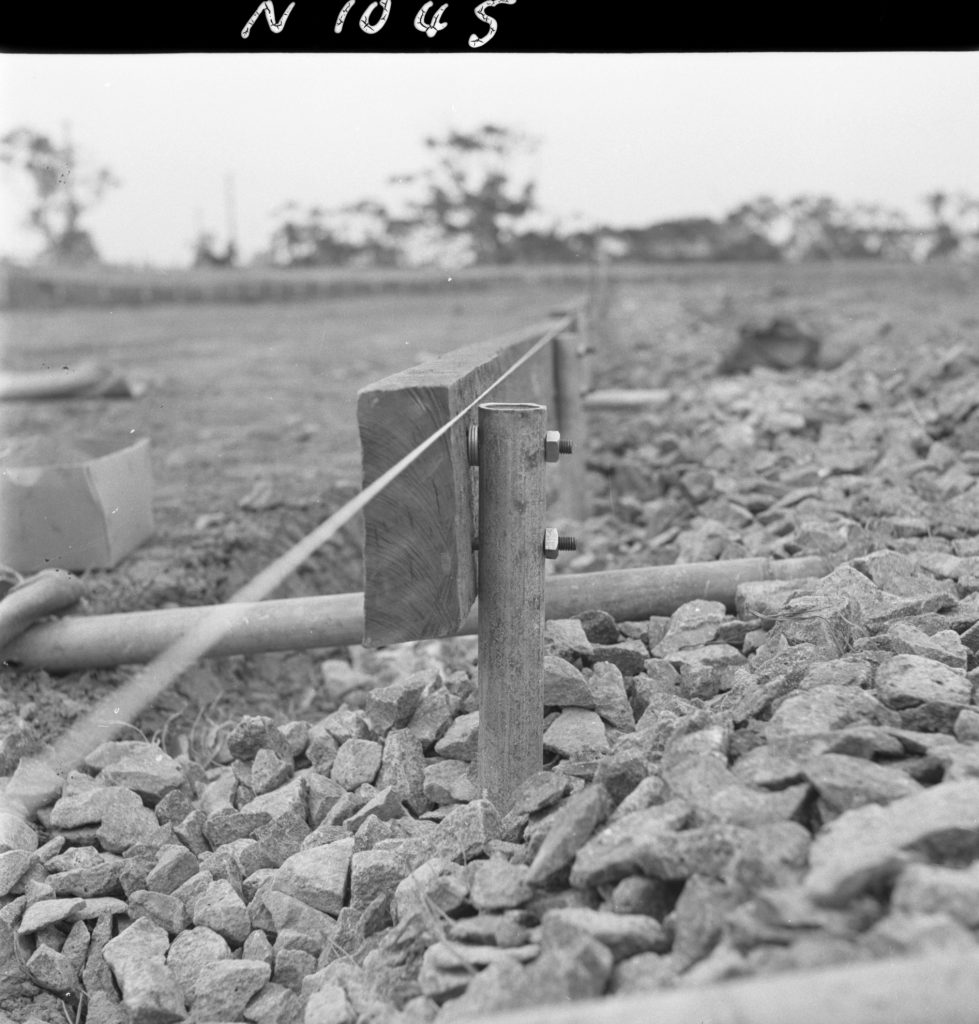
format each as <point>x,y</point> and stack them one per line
<point>551,541</point>
<point>552,445</point>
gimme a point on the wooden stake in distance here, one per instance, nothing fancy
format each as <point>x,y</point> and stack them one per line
<point>511,596</point>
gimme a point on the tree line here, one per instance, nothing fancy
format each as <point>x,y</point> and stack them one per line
<point>472,204</point>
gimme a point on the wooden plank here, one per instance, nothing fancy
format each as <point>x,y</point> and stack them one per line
<point>419,567</point>
<point>938,988</point>
<point>337,620</point>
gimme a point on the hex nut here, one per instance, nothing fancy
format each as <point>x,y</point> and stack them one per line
<point>552,445</point>
<point>552,542</point>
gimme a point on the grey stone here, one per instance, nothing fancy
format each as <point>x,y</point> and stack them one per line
<point>944,646</point>
<point>274,1004</point>
<point>491,990</point>
<point>329,1003</point>
<point>125,822</point>
<point>165,910</point>
<point>571,966</point>
<point>907,680</point>
<point>599,626</point>
<point>192,952</point>
<point>321,750</point>
<point>434,714</point>
<point>174,865</point>
<point>933,889</point>
<point>501,930</point>
<point>628,656</point>
<point>39,915</point>
<point>357,762</point>
<point>88,806</point>
<point>190,891</point>
<point>287,799</point>
<point>617,850</point>
<point>611,699</point>
<point>540,790</point>
<point>566,638</point>
<point>227,825</point>
<point>13,864</point>
<point>699,919</point>
<point>384,805</point>
<point>374,873</point>
<point>392,707</point>
<point>227,988</point>
<point>870,845</point>
<point>496,884</point>
<point>322,796</point>
<point>622,770</point>
<point>269,771</point>
<point>149,988</point>
<point>96,974</point>
<point>658,679</point>
<point>706,671</point>
<point>149,771</point>
<point>403,769</point>
<point>52,971</point>
<point>766,599</point>
<point>577,734</point>
<point>447,967</point>
<point>693,624</point>
<point>465,831</point>
<point>257,946</point>
<point>289,914</point>
<point>965,729</point>
<point>645,972</point>
<point>461,738</point>
<point>776,854</point>
<point>828,708</point>
<point>625,935</point>
<point>318,876</point>
<point>564,686</point>
<point>438,882</point>
<point>900,934</point>
<point>75,948</point>
<point>221,909</point>
<point>570,828</point>
<point>636,894</point>
<point>846,782</point>
<point>253,733</point>
<point>448,781</point>
<point>281,838</point>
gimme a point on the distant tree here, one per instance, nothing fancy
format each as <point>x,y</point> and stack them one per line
<point>468,193</point>
<point>64,191</point>
<point>364,233</point>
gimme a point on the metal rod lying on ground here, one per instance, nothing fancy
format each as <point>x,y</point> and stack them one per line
<point>511,597</point>
<point>337,620</point>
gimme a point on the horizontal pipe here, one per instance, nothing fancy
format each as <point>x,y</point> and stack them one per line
<point>626,399</point>
<point>300,623</point>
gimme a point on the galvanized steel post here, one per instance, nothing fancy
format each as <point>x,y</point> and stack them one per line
<point>511,596</point>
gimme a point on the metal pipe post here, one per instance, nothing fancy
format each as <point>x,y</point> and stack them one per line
<point>571,419</point>
<point>511,597</point>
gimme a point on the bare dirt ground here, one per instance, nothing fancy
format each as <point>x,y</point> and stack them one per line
<point>251,414</point>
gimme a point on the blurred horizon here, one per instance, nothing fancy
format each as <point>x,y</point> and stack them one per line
<point>217,142</point>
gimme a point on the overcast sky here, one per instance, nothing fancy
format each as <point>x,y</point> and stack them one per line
<point>627,139</point>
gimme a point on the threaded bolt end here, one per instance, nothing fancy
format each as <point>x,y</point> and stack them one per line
<point>567,544</point>
<point>565,446</point>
